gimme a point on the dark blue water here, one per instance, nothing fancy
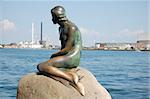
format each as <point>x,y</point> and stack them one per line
<point>125,74</point>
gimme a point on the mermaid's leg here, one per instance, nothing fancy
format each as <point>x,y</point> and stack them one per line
<point>52,67</point>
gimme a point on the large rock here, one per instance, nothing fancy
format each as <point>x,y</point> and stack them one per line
<point>36,86</point>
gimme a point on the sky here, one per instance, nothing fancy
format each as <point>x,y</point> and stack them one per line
<point>99,21</point>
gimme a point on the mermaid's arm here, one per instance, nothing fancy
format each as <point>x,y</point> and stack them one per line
<point>69,45</point>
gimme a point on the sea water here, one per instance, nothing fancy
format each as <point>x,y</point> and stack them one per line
<point>125,74</point>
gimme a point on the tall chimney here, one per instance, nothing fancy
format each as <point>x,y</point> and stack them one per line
<point>41,33</point>
<point>32,33</point>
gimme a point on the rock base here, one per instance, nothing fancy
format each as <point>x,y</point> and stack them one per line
<point>37,86</point>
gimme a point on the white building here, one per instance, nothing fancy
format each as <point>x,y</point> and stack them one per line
<point>29,44</point>
<point>113,46</point>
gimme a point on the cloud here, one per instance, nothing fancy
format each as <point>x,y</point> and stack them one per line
<point>127,34</point>
<point>89,36</point>
<point>6,25</point>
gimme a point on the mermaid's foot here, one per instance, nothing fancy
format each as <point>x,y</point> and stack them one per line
<point>80,88</point>
<point>75,78</point>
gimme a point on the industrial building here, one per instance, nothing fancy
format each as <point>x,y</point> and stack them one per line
<point>139,45</point>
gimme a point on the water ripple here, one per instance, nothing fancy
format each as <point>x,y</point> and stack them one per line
<point>124,74</point>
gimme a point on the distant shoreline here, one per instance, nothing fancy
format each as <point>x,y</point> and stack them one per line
<point>92,49</point>
<point>115,50</point>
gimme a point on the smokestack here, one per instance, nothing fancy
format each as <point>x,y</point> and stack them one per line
<point>41,33</point>
<point>32,32</point>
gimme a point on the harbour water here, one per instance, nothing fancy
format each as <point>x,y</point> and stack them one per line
<point>125,74</point>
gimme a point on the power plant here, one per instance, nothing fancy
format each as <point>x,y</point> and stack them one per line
<point>33,43</point>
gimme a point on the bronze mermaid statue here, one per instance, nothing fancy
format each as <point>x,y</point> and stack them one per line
<point>61,63</point>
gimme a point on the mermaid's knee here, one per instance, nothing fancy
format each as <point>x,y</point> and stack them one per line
<point>42,67</point>
<point>39,67</point>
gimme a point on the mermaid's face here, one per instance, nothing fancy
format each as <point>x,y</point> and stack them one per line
<point>54,18</point>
